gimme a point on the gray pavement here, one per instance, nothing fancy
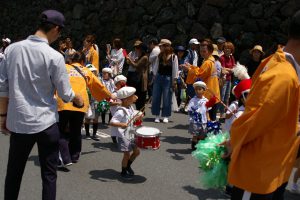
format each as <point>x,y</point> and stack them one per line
<point>167,173</point>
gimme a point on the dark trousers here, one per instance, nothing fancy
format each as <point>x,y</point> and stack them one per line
<point>70,140</point>
<point>237,194</point>
<point>213,112</point>
<point>19,150</point>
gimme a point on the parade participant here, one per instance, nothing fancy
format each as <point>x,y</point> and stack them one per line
<point>90,51</point>
<point>264,140</point>
<point>122,123</point>
<point>227,61</point>
<point>81,78</point>
<point>198,114</point>
<point>92,113</point>
<point>115,57</point>
<point>120,81</point>
<point>140,83</point>
<point>232,109</point>
<point>30,73</point>
<point>208,73</point>
<point>108,82</point>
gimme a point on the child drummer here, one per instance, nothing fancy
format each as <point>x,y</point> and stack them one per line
<point>122,122</point>
<point>198,114</point>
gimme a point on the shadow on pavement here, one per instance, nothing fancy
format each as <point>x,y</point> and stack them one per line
<point>177,153</point>
<point>176,140</point>
<point>110,175</point>
<point>106,146</point>
<point>35,160</point>
<point>88,152</point>
<point>180,126</point>
<point>203,194</point>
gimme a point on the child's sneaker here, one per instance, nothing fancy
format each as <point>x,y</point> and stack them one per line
<point>126,176</point>
<point>130,171</point>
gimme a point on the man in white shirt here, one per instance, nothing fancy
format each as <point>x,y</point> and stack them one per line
<point>192,56</point>
<point>30,74</point>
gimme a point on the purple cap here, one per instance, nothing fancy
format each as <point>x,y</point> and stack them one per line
<point>54,17</point>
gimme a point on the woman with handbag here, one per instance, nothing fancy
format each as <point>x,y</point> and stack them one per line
<point>165,78</point>
<point>71,117</point>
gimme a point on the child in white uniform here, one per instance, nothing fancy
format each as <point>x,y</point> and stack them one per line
<point>119,81</point>
<point>198,114</point>
<point>122,122</point>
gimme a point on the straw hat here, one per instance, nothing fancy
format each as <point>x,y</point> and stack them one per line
<point>165,41</point>
<point>258,48</point>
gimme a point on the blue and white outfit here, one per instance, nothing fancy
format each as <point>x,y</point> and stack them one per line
<point>197,116</point>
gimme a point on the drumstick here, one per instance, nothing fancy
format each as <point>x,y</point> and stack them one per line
<point>220,101</point>
<point>141,110</point>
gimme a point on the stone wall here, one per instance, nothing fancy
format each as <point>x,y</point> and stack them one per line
<point>245,22</point>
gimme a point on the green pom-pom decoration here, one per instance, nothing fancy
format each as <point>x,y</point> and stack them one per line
<point>214,167</point>
<point>103,106</point>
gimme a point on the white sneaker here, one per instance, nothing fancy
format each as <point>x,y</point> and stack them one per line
<point>165,120</point>
<point>157,120</point>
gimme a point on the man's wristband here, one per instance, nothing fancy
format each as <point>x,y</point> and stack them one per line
<point>3,115</point>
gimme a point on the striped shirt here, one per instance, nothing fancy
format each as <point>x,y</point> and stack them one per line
<point>30,73</point>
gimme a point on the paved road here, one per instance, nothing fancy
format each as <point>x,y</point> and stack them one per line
<point>168,173</point>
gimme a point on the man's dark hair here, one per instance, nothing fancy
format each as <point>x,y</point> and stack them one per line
<point>294,28</point>
<point>78,57</point>
<point>153,41</point>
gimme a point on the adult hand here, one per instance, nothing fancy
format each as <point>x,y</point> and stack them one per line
<point>227,144</point>
<point>113,96</point>
<point>78,101</point>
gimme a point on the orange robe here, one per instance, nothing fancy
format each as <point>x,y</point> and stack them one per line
<point>264,138</point>
<point>208,73</point>
<point>79,85</point>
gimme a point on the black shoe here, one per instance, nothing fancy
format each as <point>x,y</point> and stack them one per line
<point>114,139</point>
<point>126,176</point>
<point>88,137</point>
<point>130,171</point>
<point>96,138</point>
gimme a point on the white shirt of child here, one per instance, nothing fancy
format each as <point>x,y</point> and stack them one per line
<point>121,117</point>
<point>198,105</point>
<point>195,61</point>
<point>109,84</point>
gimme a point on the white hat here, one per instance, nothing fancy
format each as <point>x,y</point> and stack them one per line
<point>107,70</point>
<point>91,67</point>
<point>125,92</point>
<point>120,78</point>
<point>200,84</point>
<point>7,40</point>
<point>194,41</point>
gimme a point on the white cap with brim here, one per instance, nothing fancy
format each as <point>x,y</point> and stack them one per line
<point>200,84</point>
<point>194,41</point>
<point>125,92</point>
<point>91,67</point>
<point>120,78</point>
<point>107,70</point>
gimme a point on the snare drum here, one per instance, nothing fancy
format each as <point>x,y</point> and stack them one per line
<point>147,138</point>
